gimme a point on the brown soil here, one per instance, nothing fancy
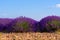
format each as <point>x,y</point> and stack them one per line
<point>29,36</point>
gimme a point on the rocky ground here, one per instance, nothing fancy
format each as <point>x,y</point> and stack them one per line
<point>29,36</point>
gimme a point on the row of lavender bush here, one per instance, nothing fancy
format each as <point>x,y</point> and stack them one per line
<point>24,24</point>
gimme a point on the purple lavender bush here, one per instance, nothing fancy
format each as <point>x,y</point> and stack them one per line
<point>49,24</point>
<point>1,27</point>
<point>24,24</point>
<point>4,25</point>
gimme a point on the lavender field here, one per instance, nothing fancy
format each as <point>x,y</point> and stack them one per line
<point>24,28</point>
<point>29,19</point>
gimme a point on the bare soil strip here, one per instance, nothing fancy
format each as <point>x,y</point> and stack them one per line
<point>29,36</point>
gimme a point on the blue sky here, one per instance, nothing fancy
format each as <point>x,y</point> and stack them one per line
<point>35,9</point>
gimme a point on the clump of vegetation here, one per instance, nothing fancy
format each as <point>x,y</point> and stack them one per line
<point>4,25</point>
<point>49,24</point>
<point>24,24</point>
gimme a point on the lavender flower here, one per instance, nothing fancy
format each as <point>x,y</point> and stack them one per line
<point>49,24</point>
<point>24,24</point>
<point>4,25</point>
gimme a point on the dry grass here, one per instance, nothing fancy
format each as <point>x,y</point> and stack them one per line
<point>29,36</point>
